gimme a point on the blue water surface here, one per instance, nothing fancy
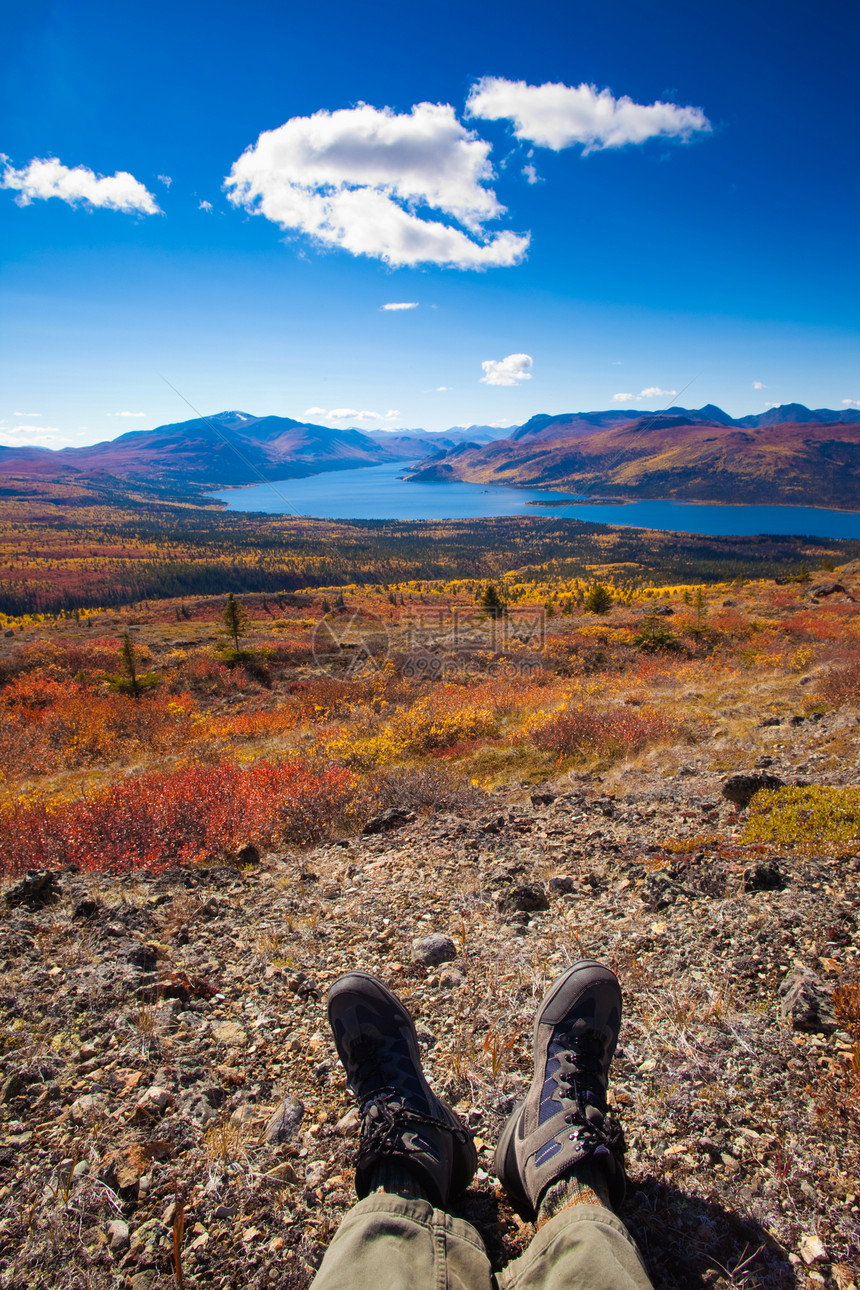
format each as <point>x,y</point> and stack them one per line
<point>379,493</point>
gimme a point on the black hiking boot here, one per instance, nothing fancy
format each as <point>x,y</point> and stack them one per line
<point>563,1120</point>
<point>402,1120</point>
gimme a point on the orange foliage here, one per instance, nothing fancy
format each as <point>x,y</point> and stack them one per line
<point>50,726</point>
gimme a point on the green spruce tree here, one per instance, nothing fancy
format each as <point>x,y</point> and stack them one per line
<point>491,601</point>
<point>235,619</point>
<point>598,599</point>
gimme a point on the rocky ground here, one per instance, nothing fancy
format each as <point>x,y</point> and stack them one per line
<point>170,1082</point>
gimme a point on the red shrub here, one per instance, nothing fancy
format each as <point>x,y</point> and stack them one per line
<point>179,817</point>
<point>580,730</point>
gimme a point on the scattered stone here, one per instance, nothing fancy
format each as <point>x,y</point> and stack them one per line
<point>765,877</point>
<point>38,887</point>
<point>433,950</point>
<point>284,1124</point>
<point>393,818</point>
<point>741,789</point>
<point>119,1237</point>
<point>230,1033</point>
<point>812,1250</point>
<point>562,885</point>
<point>807,1002</point>
<point>348,1124</point>
<point>529,898</point>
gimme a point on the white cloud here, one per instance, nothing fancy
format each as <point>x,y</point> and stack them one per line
<point>397,305</point>
<point>759,385</point>
<point>440,389</point>
<point>165,179</point>
<point>125,414</point>
<point>34,437</point>
<point>557,116</point>
<point>48,177</point>
<point>355,179</point>
<point>507,371</point>
<point>650,392</point>
<point>531,174</point>
<point>29,415</point>
<point>352,414</point>
<point>205,206</point>
<point>851,403</point>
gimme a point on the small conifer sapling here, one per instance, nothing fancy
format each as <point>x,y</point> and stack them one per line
<point>235,619</point>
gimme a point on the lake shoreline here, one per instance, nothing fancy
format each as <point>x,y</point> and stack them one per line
<point>382,493</point>
<point>564,499</point>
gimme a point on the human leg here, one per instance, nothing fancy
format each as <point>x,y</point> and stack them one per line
<point>388,1242</point>
<point>561,1155</point>
<point>414,1155</point>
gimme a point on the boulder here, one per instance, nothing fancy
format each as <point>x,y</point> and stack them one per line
<point>394,818</point>
<point>284,1124</point>
<point>433,950</point>
<point>807,1002</point>
<point>37,887</point>
<point>530,898</point>
<point>741,789</point>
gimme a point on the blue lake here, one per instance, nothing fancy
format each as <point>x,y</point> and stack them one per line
<point>378,493</point>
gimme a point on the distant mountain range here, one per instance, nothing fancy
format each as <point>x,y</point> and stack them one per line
<point>231,448</point>
<point>787,454</point>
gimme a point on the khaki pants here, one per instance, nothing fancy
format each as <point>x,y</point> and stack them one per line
<point>388,1243</point>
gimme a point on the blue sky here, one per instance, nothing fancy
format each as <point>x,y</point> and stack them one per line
<point>591,209</point>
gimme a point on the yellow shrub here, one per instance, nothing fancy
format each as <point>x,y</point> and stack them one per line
<point>365,753</point>
<point>812,819</point>
<point>429,724</point>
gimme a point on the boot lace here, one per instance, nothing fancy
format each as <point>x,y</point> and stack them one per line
<point>385,1120</point>
<point>583,1085</point>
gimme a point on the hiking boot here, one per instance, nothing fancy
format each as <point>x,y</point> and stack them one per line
<point>563,1121</point>
<point>402,1120</point>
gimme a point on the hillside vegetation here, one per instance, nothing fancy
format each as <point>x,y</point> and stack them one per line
<point>68,547</point>
<point>666,456</point>
<point>209,808</point>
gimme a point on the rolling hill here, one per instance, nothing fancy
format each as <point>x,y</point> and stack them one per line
<point>230,448</point>
<point>787,456</point>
